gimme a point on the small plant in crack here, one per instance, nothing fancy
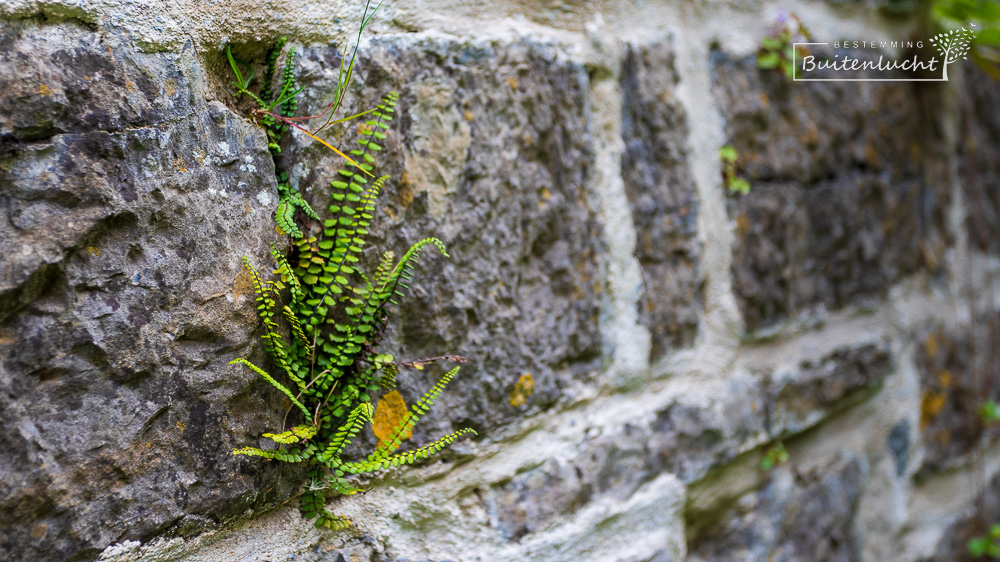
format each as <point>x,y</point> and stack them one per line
<point>330,367</point>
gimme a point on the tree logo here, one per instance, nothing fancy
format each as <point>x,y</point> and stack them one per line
<point>849,57</point>
<point>953,45</point>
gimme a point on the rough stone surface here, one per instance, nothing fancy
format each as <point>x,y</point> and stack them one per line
<point>129,200</point>
<point>848,192</point>
<point>490,154</point>
<point>793,517</point>
<point>955,381</point>
<point>806,395</point>
<point>685,438</point>
<point>974,523</point>
<point>979,156</point>
<point>662,195</point>
<point>126,203</point>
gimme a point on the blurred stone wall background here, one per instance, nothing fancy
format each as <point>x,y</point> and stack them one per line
<point>567,153</point>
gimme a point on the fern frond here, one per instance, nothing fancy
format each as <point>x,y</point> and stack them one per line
<point>293,321</point>
<point>265,308</point>
<point>286,274</point>
<point>388,378</point>
<point>275,384</point>
<point>409,457</point>
<point>287,97</point>
<point>284,215</point>
<point>397,279</point>
<point>343,252</point>
<point>284,456</point>
<point>266,91</point>
<point>358,417</point>
<point>333,522</point>
<point>406,424</point>
<point>294,435</point>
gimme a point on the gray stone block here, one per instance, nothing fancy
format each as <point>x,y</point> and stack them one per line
<point>849,189</point>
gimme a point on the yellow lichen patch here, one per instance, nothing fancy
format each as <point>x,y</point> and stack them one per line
<point>930,344</point>
<point>94,251</point>
<point>930,407</point>
<point>513,83</point>
<point>181,426</point>
<point>523,390</point>
<point>545,194</point>
<point>44,90</point>
<point>469,116</point>
<point>944,378</point>
<point>179,165</point>
<point>388,414</point>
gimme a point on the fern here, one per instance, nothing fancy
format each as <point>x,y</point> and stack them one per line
<point>336,315</point>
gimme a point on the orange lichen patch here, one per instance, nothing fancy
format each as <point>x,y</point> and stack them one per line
<point>930,407</point>
<point>39,531</point>
<point>404,196</point>
<point>243,284</point>
<point>94,251</point>
<point>179,165</point>
<point>523,390</point>
<point>513,83</point>
<point>44,90</point>
<point>364,128</point>
<point>389,412</point>
<point>181,426</point>
<point>742,223</point>
<point>930,344</point>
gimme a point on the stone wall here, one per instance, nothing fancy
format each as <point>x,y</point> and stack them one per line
<point>567,154</point>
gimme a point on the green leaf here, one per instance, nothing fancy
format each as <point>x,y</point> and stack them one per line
<point>768,60</point>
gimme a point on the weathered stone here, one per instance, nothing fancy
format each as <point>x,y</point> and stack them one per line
<point>849,190</point>
<point>974,522</point>
<point>662,195</point>
<point>687,438</point>
<point>93,82</point>
<point>690,436</point>
<point>804,396</point>
<point>979,156</point>
<point>794,517</point>
<point>955,381</point>
<point>490,153</point>
<point>128,205</point>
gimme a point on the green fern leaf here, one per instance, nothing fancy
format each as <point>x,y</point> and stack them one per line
<point>294,435</point>
<point>406,424</point>
<point>275,384</point>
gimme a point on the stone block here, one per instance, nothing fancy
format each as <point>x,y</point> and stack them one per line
<point>849,189</point>
<point>127,206</point>
<point>662,195</point>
